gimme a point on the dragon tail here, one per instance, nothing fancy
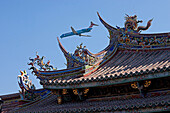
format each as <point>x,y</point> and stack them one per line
<point>145,27</point>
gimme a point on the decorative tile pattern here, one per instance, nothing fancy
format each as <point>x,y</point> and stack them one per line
<point>126,64</point>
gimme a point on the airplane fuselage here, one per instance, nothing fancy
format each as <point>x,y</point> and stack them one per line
<point>78,32</point>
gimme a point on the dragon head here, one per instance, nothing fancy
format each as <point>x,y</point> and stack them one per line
<point>131,22</point>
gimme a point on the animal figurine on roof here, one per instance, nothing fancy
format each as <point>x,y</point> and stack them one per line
<point>131,23</point>
<point>39,62</point>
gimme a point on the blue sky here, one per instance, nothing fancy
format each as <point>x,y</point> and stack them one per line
<point>30,26</point>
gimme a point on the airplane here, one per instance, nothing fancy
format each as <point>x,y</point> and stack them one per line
<point>79,32</point>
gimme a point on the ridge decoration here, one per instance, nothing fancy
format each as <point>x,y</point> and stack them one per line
<point>39,62</point>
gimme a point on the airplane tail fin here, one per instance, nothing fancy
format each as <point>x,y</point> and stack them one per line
<point>92,24</point>
<point>74,31</point>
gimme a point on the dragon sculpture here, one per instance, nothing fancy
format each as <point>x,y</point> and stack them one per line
<point>26,85</point>
<point>24,81</point>
<point>131,23</point>
<point>81,54</point>
<point>28,90</point>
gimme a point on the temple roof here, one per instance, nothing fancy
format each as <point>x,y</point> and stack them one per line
<point>124,64</point>
<point>129,57</point>
<point>9,96</point>
<point>129,54</point>
<point>118,103</point>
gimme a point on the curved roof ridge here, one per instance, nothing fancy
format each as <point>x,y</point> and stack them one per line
<point>61,47</point>
<point>106,24</point>
<point>95,54</point>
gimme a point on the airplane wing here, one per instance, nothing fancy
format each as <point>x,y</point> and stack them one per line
<point>73,30</point>
<point>84,35</point>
